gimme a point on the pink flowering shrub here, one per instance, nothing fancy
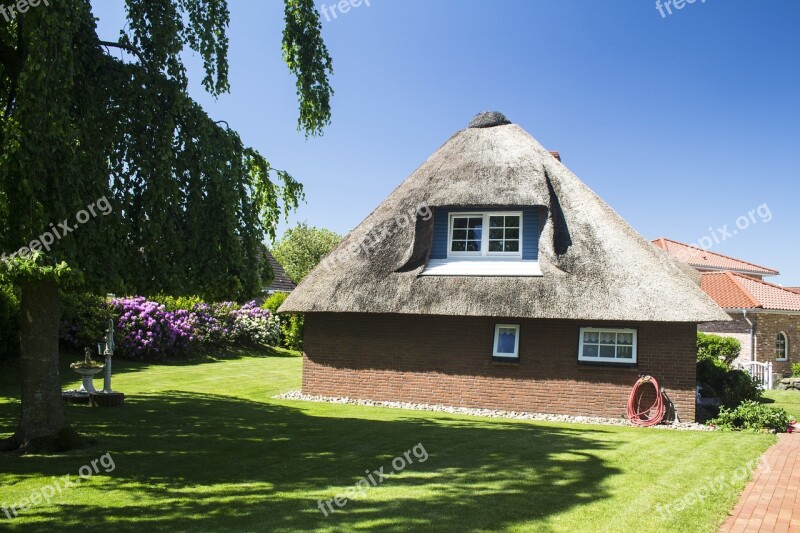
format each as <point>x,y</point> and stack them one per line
<point>147,330</point>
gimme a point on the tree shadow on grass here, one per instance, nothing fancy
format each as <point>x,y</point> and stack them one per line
<point>208,463</point>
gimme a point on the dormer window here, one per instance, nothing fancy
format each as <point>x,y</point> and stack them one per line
<point>485,242</point>
<point>469,238</point>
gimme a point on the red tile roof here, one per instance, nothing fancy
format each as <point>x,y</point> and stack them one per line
<point>706,260</point>
<point>793,289</point>
<point>737,291</point>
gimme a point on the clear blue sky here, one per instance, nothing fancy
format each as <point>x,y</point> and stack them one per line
<point>681,123</point>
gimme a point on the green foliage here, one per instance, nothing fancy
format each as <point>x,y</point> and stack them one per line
<point>84,319</point>
<point>9,321</point>
<point>731,386</point>
<point>176,303</point>
<point>717,347</point>
<point>35,267</point>
<point>796,370</point>
<point>78,123</point>
<point>736,387</point>
<point>292,331</point>
<point>710,372</point>
<point>275,301</point>
<point>291,325</point>
<point>305,53</point>
<point>753,416</point>
<point>301,248</point>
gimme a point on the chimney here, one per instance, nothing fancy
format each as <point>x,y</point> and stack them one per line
<point>556,155</point>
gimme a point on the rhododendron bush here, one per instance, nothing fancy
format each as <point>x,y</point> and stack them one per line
<point>159,328</point>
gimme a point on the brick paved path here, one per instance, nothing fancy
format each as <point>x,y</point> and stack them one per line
<point>771,501</point>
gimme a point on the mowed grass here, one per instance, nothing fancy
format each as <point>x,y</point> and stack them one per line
<point>786,399</point>
<point>203,447</point>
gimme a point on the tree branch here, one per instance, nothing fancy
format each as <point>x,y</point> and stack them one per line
<point>127,47</point>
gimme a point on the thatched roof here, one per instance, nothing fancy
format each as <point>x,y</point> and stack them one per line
<point>594,265</point>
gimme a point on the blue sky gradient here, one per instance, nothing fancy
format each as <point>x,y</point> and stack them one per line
<point>683,123</point>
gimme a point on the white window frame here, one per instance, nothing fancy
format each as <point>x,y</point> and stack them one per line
<point>785,347</point>
<point>497,329</point>
<point>615,360</point>
<point>484,235</point>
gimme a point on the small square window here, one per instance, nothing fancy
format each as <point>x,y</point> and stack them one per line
<point>506,341</point>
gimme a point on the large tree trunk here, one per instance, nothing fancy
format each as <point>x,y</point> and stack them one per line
<point>43,426</point>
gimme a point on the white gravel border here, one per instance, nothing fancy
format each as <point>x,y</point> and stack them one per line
<point>490,413</point>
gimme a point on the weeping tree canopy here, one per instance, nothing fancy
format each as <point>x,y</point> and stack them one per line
<point>111,167</point>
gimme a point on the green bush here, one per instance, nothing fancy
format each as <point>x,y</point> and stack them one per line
<point>796,370</point>
<point>716,347</point>
<point>275,301</point>
<point>291,325</point>
<point>177,303</point>
<point>292,331</point>
<point>711,372</point>
<point>732,387</point>
<point>753,416</point>
<point>9,322</point>
<point>736,387</point>
<point>84,319</point>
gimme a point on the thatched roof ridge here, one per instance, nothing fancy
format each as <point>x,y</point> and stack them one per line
<point>595,266</point>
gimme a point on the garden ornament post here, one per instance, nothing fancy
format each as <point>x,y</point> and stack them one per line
<point>108,351</point>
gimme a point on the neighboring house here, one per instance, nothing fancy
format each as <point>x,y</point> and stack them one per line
<point>281,282</point>
<point>766,317</point>
<point>493,277</point>
<point>707,261</point>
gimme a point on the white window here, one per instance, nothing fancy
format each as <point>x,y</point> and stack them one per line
<point>485,235</point>
<point>782,347</point>
<point>506,341</point>
<point>607,345</point>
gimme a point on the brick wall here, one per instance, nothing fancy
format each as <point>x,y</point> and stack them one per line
<point>768,326</point>
<point>447,360</point>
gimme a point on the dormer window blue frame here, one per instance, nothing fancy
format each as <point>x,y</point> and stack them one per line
<point>493,241</point>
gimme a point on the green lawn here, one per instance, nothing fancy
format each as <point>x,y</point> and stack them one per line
<point>203,447</point>
<point>787,399</point>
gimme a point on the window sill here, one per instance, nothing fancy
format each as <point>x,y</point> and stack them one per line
<point>482,267</point>
<point>599,364</point>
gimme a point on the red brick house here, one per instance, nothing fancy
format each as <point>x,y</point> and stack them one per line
<point>765,317</point>
<point>493,277</point>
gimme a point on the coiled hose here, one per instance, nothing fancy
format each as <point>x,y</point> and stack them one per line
<point>649,416</point>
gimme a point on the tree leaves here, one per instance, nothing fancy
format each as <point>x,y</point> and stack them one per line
<point>191,203</point>
<point>305,53</point>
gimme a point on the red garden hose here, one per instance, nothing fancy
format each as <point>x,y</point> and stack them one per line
<point>649,416</point>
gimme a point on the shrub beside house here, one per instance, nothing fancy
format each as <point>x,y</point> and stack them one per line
<point>493,277</point>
